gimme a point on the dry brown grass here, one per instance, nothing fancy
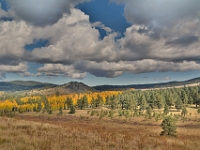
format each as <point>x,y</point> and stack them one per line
<point>38,131</point>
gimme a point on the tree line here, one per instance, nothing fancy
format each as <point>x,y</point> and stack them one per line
<point>135,100</point>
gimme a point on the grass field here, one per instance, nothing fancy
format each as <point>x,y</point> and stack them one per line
<point>81,131</point>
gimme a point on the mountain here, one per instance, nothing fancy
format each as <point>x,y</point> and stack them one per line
<point>23,85</point>
<point>190,82</point>
<point>33,87</point>
<point>71,87</point>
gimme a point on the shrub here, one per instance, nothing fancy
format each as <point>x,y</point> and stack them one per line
<point>198,110</point>
<point>92,113</point>
<point>72,110</point>
<point>111,114</point>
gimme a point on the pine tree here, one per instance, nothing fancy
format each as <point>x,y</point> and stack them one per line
<point>178,104</point>
<point>39,107</point>
<point>122,101</point>
<point>169,126</point>
<point>72,110</point>
<point>170,99</point>
<point>184,111</point>
<point>149,112</point>
<point>166,109</point>
<point>142,102</point>
<point>196,98</point>
<point>184,97</point>
<point>113,102</point>
<point>69,102</point>
<point>60,111</point>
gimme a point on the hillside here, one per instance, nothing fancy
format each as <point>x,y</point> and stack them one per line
<point>78,87</point>
<point>148,86</point>
<point>71,87</point>
<point>23,85</point>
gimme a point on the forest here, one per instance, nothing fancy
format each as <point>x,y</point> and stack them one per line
<point>136,101</point>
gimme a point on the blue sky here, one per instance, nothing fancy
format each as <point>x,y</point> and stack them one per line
<point>99,41</point>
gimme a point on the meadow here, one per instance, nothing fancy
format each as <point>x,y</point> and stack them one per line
<point>36,131</point>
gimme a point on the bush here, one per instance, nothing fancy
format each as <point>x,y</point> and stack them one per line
<point>120,113</point>
<point>198,110</point>
<point>92,113</point>
<point>111,114</point>
<point>72,110</point>
<point>169,126</point>
<point>127,113</point>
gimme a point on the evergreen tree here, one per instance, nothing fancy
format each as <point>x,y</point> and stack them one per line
<point>149,112</point>
<point>72,110</point>
<point>93,103</point>
<point>166,109</point>
<point>60,111</point>
<point>184,97</point>
<point>184,111</point>
<point>178,104</point>
<point>46,104</point>
<point>99,101</point>
<point>152,101</point>
<point>131,104</point>
<point>82,103</point>
<point>169,126</point>
<point>39,107</point>
<point>159,100</point>
<point>142,102</point>
<point>69,102</point>
<point>196,98</point>
<point>122,101</point>
<point>108,100</point>
<point>113,102</point>
<point>170,99</point>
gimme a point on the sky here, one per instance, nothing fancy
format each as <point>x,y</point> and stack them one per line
<point>97,42</point>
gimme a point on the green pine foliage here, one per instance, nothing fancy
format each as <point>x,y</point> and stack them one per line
<point>72,110</point>
<point>169,126</point>
<point>178,104</point>
<point>184,111</point>
<point>166,109</point>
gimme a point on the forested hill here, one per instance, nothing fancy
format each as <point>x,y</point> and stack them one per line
<point>147,86</point>
<point>71,87</point>
<point>23,85</point>
<point>77,87</point>
<point>45,88</point>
